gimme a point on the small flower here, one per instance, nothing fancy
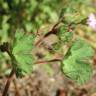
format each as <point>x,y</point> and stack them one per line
<point>92,21</point>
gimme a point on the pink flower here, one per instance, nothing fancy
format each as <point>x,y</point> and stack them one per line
<point>92,21</point>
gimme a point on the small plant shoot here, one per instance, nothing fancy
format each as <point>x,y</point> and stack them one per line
<point>22,38</point>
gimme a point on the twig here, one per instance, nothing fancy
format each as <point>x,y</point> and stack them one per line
<point>10,78</point>
<point>53,30</point>
<point>60,21</point>
<point>48,61</point>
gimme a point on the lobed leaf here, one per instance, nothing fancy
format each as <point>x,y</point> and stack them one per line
<point>23,45</point>
<point>76,63</point>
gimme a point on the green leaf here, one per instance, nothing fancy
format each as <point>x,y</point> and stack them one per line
<point>64,34</point>
<point>76,63</point>
<point>81,49</point>
<point>23,45</point>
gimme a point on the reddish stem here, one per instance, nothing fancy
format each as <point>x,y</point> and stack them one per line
<point>42,62</point>
<point>8,83</point>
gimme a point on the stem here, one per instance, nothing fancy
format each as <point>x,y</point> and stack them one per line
<point>10,78</point>
<point>48,61</point>
<point>8,83</point>
<point>52,31</point>
<point>60,21</point>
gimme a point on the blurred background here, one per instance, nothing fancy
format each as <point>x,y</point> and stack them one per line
<point>40,15</point>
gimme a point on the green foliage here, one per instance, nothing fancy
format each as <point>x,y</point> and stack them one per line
<point>4,28</point>
<point>22,50</point>
<point>80,1</point>
<point>64,34</point>
<point>76,11</point>
<point>76,62</point>
<point>29,15</point>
